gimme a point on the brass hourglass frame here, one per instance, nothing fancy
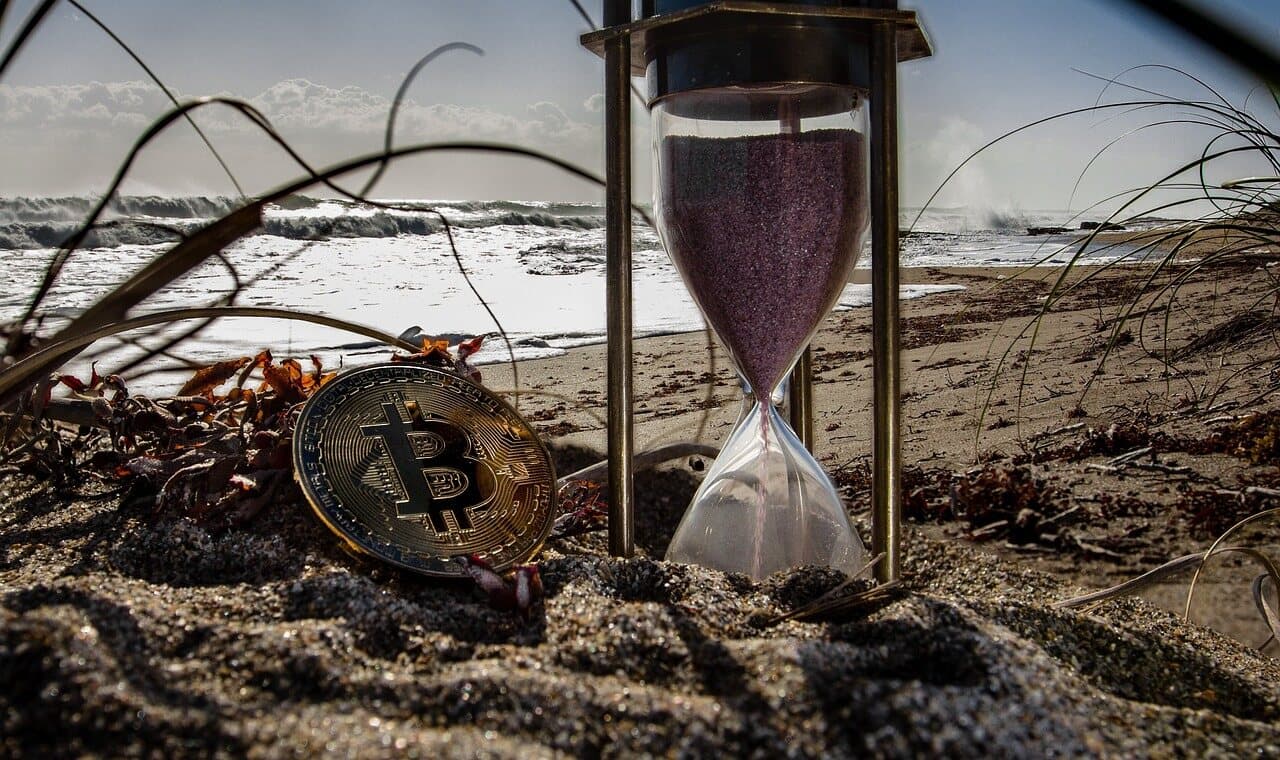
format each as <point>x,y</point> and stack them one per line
<point>892,36</point>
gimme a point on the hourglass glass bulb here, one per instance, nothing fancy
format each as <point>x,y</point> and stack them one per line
<point>764,218</point>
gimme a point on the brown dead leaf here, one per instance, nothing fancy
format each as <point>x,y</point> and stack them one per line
<point>286,379</point>
<point>211,376</point>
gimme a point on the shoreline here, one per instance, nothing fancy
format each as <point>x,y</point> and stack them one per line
<point>909,276</point>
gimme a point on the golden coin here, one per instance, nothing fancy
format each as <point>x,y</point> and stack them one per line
<point>416,466</point>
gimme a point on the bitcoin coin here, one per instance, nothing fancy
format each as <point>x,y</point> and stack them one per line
<point>415,466</point>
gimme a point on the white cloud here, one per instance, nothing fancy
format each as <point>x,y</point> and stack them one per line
<point>292,105</point>
<point>299,103</point>
<point>594,104</point>
<point>69,138</point>
<point>81,105</point>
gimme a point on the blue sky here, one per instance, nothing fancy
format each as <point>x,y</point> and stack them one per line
<point>324,71</point>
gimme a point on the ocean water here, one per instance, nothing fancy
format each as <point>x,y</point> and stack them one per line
<point>539,265</point>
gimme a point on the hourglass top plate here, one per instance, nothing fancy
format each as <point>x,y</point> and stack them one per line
<point>913,43</point>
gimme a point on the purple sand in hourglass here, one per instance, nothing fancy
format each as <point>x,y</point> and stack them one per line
<point>765,230</point>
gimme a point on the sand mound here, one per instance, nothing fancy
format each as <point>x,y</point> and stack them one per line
<point>123,634</point>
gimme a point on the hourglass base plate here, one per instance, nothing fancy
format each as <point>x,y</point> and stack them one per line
<point>765,506</point>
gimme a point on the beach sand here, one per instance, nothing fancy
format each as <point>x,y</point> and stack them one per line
<point>123,632</point>
<point>984,381</point>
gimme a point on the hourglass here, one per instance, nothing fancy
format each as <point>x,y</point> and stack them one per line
<point>761,202</point>
<point>762,190</point>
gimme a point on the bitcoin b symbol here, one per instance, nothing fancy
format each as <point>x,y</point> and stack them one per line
<point>434,462</point>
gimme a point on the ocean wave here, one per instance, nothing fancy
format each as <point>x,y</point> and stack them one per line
<point>535,220</point>
<point>461,213</point>
<point>52,232</point>
<point>75,208</point>
<point>28,236</point>
<point>1007,220</point>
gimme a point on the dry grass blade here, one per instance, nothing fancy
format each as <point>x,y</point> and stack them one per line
<point>18,377</point>
<point>1222,38</point>
<point>389,134</point>
<point>841,600</point>
<point>365,190</point>
<point>173,264</point>
<point>1268,614</point>
<point>848,604</point>
<point>59,260</point>
<point>1265,609</point>
<point>1217,547</point>
<point>113,307</point>
<point>215,237</point>
<point>1199,560</point>
<point>1134,585</point>
<point>1241,228</point>
<point>33,22</point>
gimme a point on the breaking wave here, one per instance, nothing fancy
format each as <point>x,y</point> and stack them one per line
<point>76,208</point>
<point>1007,220</point>
<point>31,223</point>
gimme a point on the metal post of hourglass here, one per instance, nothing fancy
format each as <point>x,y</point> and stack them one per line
<point>800,396</point>
<point>886,434</point>
<point>800,399</point>
<point>617,94</point>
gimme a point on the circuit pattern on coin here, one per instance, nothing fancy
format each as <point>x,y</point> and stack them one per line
<point>415,466</point>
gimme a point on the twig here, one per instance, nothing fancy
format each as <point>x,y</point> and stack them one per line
<point>1172,567</point>
<point>1165,468</point>
<point>989,529</point>
<point>1092,548</point>
<point>1129,456</point>
<point>1062,515</point>
<point>1058,431</point>
<point>1219,407</point>
<point>835,601</point>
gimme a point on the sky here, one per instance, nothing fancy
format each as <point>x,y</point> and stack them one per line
<point>325,71</point>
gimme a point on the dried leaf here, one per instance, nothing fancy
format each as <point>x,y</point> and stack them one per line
<point>432,355</point>
<point>73,382</point>
<point>192,490</point>
<point>469,347</point>
<point>286,379</point>
<point>216,459</point>
<point>79,386</point>
<point>263,359</point>
<point>211,376</point>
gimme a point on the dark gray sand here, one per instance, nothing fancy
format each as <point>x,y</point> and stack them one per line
<point>123,634</point>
